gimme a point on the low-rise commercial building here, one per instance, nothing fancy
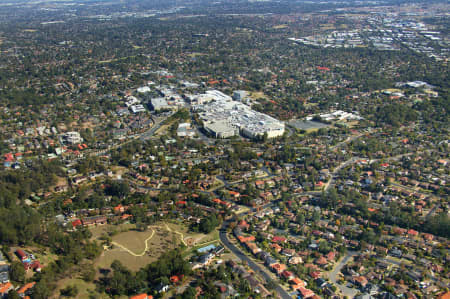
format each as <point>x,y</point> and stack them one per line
<point>223,118</point>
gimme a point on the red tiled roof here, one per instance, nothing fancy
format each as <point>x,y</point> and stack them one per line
<point>413,232</point>
<point>331,255</point>
<point>36,265</point>
<point>243,239</point>
<point>323,68</point>
<point>287,274</point>
<point>321,261</point>
<point>20,253</point>
<point>142,296</point>
<point>5,287</point>
<point>125,216</point>
<point>278,239</point>
<point>306,293</point>
<point>76,223</point>
<point>26,287</point>
<point>444,296</point>
<point>297,281</point>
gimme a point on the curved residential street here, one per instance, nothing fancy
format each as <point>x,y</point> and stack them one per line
<point>255,267</point>
<point>333,275</point>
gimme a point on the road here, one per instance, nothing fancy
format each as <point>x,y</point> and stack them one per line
<point>431,212</point>
<point>354,160</point>
<point>204,138</point>
<point>349,139</point>
<point>149,133</point>
<point>337,169</point>
<point>255,267</point>
<point>334,273</point>
<point>433,209</point>
<point>157,122</point>
<point>391,261</point>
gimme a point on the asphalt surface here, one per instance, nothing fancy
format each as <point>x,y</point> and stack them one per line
<point>255,267</point>
<point>337,169</point>
<point>348,140</point>
<point>346,291</point>
<point>149,133</point>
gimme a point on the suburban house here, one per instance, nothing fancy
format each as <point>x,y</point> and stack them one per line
<point>142,296</point>
<point>88,221</point>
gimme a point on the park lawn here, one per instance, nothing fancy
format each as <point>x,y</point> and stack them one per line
<point>131,251</point>
<point>177,226</point>
<point>161,242</point>
<point>98,231</point>
<point>86,290</point>
<point>45,257</point>
<point>133,263</point>
<point>212,236</point>
<point>191,238</point>
<point>133,240</point>
<point>194,240</point>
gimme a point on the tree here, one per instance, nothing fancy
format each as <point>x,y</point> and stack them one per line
<point>316,216</point>
<point>118,188</point>
<point>271,284</point>
<point>88,273</point>
<point>190,293</point>
<point>69,291</point>
<point>41,291</point>
<point>208,224</point>
<point>13,295</point>
<point>17,272</point>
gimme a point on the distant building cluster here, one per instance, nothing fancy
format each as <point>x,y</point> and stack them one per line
<point>338,115</point>
<point>225,118</point>
<point>134,104</point>
<point>170,99</point>
<point>384,32</point>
